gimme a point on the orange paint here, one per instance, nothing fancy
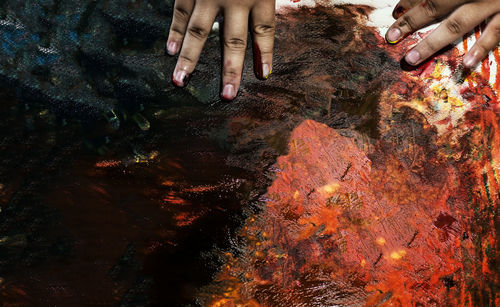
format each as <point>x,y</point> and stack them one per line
<point>185,219</point>
<point>107,164</point>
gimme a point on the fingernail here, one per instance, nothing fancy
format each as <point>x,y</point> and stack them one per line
<point>266,70</point>
<point>393,35</point>
<point>180,78</point>
<point>471,59</point>
<point>228,92</point>
<point>172,48</point>
<point>413,57</point>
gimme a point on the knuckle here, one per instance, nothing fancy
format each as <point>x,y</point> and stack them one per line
<point>430,46</point>
<point>454,25</point>
<point>198,32</point>
<point>482,47</point>
<point>235,43</point>
<point>231,73</point>
<point>264,53</point>
<point>185,59</point>
<point>177,30</point>
<point>408,21</point>
<point>181,14</point>
<point>495,30</point>
<point>264,29</point>
<point>431,8</point>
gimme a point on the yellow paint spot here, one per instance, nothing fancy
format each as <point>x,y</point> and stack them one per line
<point>455,101</point>
<point>363,263</point>
<point>329,189</point>
<point>396,255</point>
<point>438,70</point>
<point>381,241</point>
<point>296,195</point>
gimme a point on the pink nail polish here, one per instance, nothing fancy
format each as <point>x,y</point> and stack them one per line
<point>393,35</point>
<point>266,70</point>
<point>413,57</point>
<point>471,59</point>
<point>228,92</point>
<point>172,48</point>
<point>179,78</point>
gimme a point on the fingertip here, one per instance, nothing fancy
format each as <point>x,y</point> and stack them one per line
<point>413,57</point>
<point>229,92</point>
<point>267,69</point>
<point>180,78</point>
<point>172,47</point>
<point>393,36</point>
<point>472,58</point>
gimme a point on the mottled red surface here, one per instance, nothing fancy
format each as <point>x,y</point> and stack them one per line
<point>408,219</point>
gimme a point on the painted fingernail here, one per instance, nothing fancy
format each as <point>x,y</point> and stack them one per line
<point>471,59</point>
<point>180,78</point>
<point>172,48</point>
<point>266,70</point>
<point>228,92</point>
<point>413,57</point>
<point>394,35</point>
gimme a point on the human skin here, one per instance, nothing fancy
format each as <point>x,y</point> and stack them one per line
<point>460,16</point>
<point>191,25</point>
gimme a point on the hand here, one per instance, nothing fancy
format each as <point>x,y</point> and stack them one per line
<point>192,23</point>
<point>463,16</point>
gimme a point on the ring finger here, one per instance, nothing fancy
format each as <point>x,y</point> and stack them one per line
<point>235,43</point>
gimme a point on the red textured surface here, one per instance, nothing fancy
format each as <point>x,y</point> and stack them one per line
<point>360,232</point>
<point>410,219</point>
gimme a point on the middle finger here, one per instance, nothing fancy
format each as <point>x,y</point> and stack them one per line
<point>235,43</point>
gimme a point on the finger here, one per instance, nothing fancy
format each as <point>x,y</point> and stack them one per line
<point>488,41</point>
<point>263,29</point>
<point>235,43</point>
<point>454,27</point>
<point>182,13</point>
<point>197,32</point>
<point>418,17</point>
<point>402,7</point>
